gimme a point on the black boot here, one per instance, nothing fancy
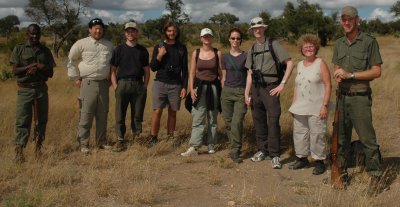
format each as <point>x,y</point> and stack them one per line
<point>299,164</point>
<point>319,167</point>
<point>235,156</point>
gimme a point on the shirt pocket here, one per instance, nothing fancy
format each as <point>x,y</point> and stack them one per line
<point>27,59</point>
<point>359,60</point>
<point>89,58</point>
<point>105,57</point>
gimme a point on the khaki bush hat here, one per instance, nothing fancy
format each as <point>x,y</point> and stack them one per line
<point>349,11</point>
<point>257,22</point>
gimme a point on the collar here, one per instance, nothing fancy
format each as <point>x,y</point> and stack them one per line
<point>28,44</point>
<point>94,40</point>
<point>359,37</point>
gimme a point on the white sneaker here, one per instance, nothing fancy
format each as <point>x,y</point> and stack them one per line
<point>190,152</point>
<point>211,149</point>
<point>275,163</point>
<point>84,149</point>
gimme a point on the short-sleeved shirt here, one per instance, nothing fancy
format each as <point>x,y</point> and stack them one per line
<point>92,58</point>
<point>130,61</point>
<point>25,54</point>
<point>259,60</point>
<point>360,55</point>
<point>235,76</point>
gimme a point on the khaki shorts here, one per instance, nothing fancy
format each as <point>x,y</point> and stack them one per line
<point>165,94</point>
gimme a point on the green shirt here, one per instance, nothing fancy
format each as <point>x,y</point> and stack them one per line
<point>24,54</point>
<point>360,55</point>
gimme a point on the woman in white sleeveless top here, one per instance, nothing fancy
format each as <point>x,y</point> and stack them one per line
<point>310,106</point>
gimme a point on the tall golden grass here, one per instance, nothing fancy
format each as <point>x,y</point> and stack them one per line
<point>160,177</point>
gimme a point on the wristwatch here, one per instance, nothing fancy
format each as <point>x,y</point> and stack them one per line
<point>283,82</point>
<point>352,76</point>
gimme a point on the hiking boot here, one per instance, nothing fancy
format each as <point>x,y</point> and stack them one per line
<point>19,155</point>
<point>235,156</point>
<point>276,163</point>
<point>211,149</point>
<point>319,167</point>
<point>299,164</point>
<point>190,152</point>
<point>259,156</point>
<point>153,140</point>
<point>119,146</point>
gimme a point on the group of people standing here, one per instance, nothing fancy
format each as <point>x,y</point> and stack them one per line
<point>213,83</point>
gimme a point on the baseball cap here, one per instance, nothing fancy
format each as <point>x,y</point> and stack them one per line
<point>96,21</point>
<point>349,11</point>
<point>257,22</point>
<point>131,25</point>
<point>206,31</point>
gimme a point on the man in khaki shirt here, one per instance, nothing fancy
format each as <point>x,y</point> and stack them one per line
<point>92,57</point>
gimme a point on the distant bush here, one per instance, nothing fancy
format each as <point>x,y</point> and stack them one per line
<point>5,72</point>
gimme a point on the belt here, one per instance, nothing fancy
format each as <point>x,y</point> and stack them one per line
<point>130,79</point>
<point>31,85</point>
<point>349,93</point>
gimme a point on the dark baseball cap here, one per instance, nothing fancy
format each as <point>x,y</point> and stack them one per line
<point>96,21</point>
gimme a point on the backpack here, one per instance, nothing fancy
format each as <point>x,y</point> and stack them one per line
<point>281,67</point>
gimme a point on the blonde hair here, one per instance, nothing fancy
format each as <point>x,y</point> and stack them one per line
<point>309,38</point>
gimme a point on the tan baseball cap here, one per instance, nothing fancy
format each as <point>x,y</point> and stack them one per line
<point>349,11</point>
<point>257,22</point>
<point>131,25</point>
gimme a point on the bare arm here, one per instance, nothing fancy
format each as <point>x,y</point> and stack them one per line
<point>289,67</point>
<point>146,76</point>
<point>113,76</point>
<point>192,73</point>
<point>249,81</point>
<point>341,74</point>
<point>326,79</point>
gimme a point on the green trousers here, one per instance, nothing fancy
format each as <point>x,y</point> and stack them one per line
<point>24,113</point>
<point>233,110</point>
<point>355,111</point>
<point>133,93</point>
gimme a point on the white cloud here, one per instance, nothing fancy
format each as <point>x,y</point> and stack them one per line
<point>383,15</point>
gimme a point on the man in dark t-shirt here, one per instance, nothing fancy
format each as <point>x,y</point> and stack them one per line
<point>170,61</point>
<point>130,74</point>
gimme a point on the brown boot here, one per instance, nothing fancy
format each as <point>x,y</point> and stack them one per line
<point>19,155</point>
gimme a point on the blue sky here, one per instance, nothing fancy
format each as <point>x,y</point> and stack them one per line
<point>202,10</point>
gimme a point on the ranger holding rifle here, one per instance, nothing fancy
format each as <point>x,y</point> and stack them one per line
<point>357,61</point>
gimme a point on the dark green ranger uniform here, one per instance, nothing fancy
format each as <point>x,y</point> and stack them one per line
<point>31,87</point>
<point>355,101</point>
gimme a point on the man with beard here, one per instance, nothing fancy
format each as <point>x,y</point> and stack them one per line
<point>32,65</point>
<point>170,61</point>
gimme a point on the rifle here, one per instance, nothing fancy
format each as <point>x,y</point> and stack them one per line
<point>336,180</point>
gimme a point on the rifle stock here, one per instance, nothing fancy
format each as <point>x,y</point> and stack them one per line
<point>336,170</point>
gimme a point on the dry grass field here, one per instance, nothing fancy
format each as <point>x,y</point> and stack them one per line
<point>159,176</point>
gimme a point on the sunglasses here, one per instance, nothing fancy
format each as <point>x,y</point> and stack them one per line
<point>235,38</point>
<point>96,21</point>
<point>254,23</point>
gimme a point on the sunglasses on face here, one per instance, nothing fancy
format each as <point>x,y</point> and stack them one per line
<point>254,23</point>
<point>235,38</point>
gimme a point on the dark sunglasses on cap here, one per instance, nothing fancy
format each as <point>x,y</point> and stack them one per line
<point>96,21</point>
<point>259,22</point>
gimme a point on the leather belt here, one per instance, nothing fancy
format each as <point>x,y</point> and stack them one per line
<point>31,85</point>
<point>349,93</point>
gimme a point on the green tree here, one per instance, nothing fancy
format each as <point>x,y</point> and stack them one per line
<point>176,14</point>
<point>8,25</point>
<point>60,16</point>
<point>223,20</point>
<point>396,8</point>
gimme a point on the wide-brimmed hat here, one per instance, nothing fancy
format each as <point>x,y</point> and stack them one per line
<point>206,31</point>
<point>349,11</point>
<point>131,25</point>
<point>257,22</point>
